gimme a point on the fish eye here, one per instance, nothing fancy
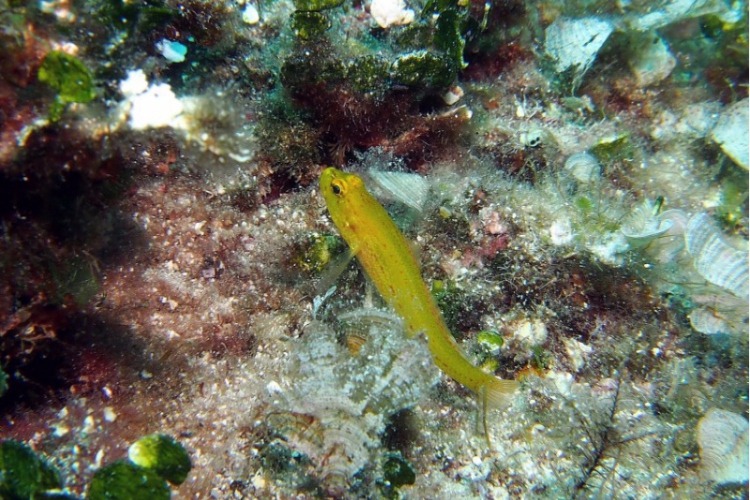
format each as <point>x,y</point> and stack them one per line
<point>337,188</point>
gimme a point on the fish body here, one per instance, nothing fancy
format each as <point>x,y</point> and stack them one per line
<point>385,254</point>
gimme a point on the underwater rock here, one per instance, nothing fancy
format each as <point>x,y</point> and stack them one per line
<point>648,18</point>
<point>345,393</point>
<point>423,69</point>
<point>574,43</point>
<point>695,121</point>
<point>723,440</point>
<point>731,132</point>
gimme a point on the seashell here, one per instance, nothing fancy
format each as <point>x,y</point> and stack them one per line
<point>354,342</point>
<point>651,60</point>
<point>662,233</point>
<point>643,226</point>
<point>714,258</point>
<point>410,189</point>
<point>575,42</point>
<point>584,167</point>
<point>708,321</point>
<point>532,138</point>
<point>731,132</point>
<point>723,440</point>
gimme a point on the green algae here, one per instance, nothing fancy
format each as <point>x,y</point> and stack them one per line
<point>23,474</point>
<point>69,77</point>
<point>448,37</point>
<point>316,5</point>
<point>123,480</point>
<point>309,25</point>
<point>415,36</point>
<point>368,73</point>
<point>490,341</point>
<point>614,148</point>
<point>163,455</point>
<point>316,251</point>
<point>397,472</point>
<point>423,69</point>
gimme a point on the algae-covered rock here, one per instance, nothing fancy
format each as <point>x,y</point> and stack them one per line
<point>123,480</point>
<point>423,69</point>
<point>316,251</point>
<point>397,472</point>
<point>613,148</point>
<point>448,36</point>
<point>368,73</point>
<point>414,36</point>
<point>69,77</point>
<point>163,455</point>
<point>23,474</point>
<point>309,25</point>
<point>316,5</point>
<point>305,68</point>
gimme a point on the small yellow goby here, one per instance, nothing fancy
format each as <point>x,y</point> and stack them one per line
<point>387,258</point>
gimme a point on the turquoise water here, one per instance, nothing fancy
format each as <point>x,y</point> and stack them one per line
<point>572,177</point>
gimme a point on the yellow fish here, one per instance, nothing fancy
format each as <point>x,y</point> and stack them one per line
<point>387,258</point>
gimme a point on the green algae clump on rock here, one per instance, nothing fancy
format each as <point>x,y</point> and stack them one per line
<point>163,455</point>
<point>123,480</point>
<point>69,77</point>
<point>23,474</point>
<point>423,69</point>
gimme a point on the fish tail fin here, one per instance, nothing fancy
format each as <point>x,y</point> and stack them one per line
<point>497,392</point>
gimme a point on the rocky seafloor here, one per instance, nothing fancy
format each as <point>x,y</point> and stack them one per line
<point>573,176</point>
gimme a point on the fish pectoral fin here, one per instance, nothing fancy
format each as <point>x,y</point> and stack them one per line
<point>411,332</point>
<point>333,270</point>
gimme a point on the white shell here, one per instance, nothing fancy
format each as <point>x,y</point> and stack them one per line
<point>409,189</point>
<point>731,132</point>
<point>714,258</point>
<point>651,61</point>
<point>723,440</point>
<point>575,42</point>
<point>708,321</point>
<point>584,167</point>
<point>532,138</point>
